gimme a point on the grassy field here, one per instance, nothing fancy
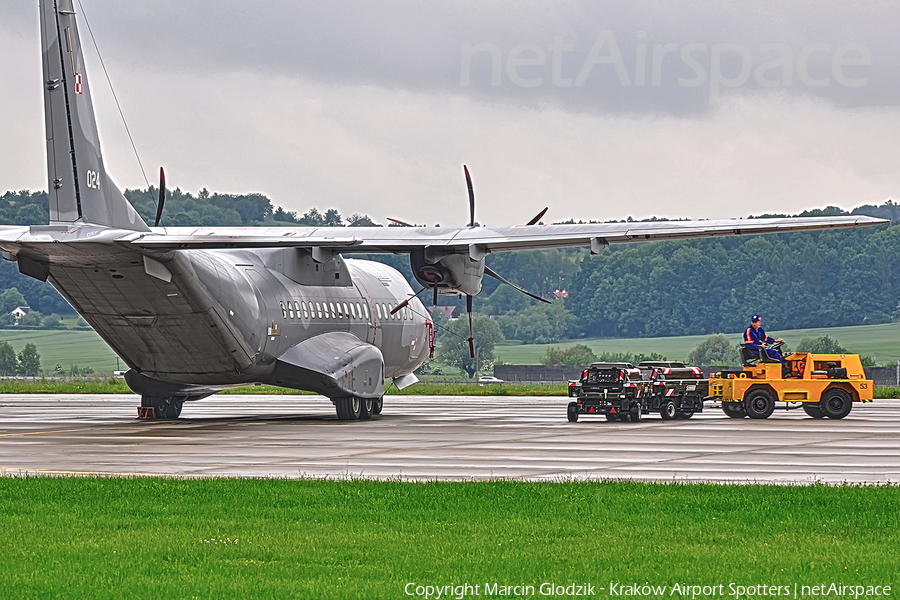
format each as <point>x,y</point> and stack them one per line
<point>86,349</point>
<point>230,538</point>
<point>881,340</point>
<point>83,348</point>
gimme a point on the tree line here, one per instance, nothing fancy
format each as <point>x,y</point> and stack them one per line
<point>801,279</point>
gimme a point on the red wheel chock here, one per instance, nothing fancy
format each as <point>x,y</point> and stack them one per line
<point>146,412</point>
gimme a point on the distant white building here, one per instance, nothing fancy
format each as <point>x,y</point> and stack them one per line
<point>18,312</point>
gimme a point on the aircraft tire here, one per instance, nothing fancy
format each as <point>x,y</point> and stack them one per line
<point>348,408</point>
<point>759,404</point>
<point>836,403</point>
<point>734,410</point>
<point>366,408</point>
<point>163,408</point>
<point>669,411</point>
<point>173,411</point>
<point>813,409</point>
<point>377,406</point>
<point>572,412</point>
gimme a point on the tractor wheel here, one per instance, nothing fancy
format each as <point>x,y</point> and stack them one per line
<point>612,417</point>
<point>669,411</point>
<point>836,403</point>
<point>735,410</point>
<point>635,413</point>
<point>759,404</point>
<point>813,409</point>
<point>572,412</point>
<point>684,414</point>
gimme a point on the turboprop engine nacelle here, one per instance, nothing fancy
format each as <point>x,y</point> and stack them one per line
<point>450,271</point>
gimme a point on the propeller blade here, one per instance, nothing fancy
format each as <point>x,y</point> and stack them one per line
<point>404,223</point>
<point>402,305</point>
<point>535,220</point>
<point>471,197</point>
<point>471,338</point>
<point>405,303</point>
<point>162,196</point>
<point>495,275</point>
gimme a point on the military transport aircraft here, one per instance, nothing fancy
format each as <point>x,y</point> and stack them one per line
<point>193,311</point>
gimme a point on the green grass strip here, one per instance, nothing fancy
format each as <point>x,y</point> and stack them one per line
<point>252,538</point>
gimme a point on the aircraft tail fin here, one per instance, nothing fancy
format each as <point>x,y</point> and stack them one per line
<point>79,188</point>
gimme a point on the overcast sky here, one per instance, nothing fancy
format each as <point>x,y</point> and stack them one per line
<point>600,110</point>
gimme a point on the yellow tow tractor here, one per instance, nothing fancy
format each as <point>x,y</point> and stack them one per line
<point>824,385</point>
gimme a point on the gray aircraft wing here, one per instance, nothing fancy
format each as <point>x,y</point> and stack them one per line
<point>486,239</point>
<point>479,240</point>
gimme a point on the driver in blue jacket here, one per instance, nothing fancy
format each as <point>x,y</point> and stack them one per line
<point>755,338</point>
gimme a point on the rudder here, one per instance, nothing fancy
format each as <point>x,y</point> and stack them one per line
<point>79,189</point>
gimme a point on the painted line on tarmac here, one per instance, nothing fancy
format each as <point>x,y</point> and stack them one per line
<point>142,426</point>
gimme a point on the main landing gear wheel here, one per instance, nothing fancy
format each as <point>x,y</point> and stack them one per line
<point>163,408</point>
<point>366,406</point>
<point>348,408</point>
<point>377,406</point>
<point>759,404</point>
<point>734,410</point>
<point>572,412</point>
<point>836,403</point>
<point>669,411</point>
<point>813,409</point>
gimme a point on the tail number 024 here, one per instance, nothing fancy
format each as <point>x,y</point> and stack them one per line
<point>93,179</point>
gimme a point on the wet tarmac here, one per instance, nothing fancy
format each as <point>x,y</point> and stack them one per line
<point>440,438</point>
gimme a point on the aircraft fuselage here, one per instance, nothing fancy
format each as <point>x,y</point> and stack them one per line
<point>218,318</point>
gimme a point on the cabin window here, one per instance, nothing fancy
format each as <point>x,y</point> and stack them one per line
<point>346,310</point>
<point>334,313</point>
<point>283,311</point>
<point>290,308</point>
<point>339,313</point>
<point>319,309</point>
<point>303,306</point>
<point>353,310</point>
<point>325,309</point>
<point>378,311</point>
<point>366,309</point>
<point>297,308</point>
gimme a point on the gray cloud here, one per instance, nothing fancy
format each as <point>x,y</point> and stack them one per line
<point>360,107</point>
<point>702,49</point>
